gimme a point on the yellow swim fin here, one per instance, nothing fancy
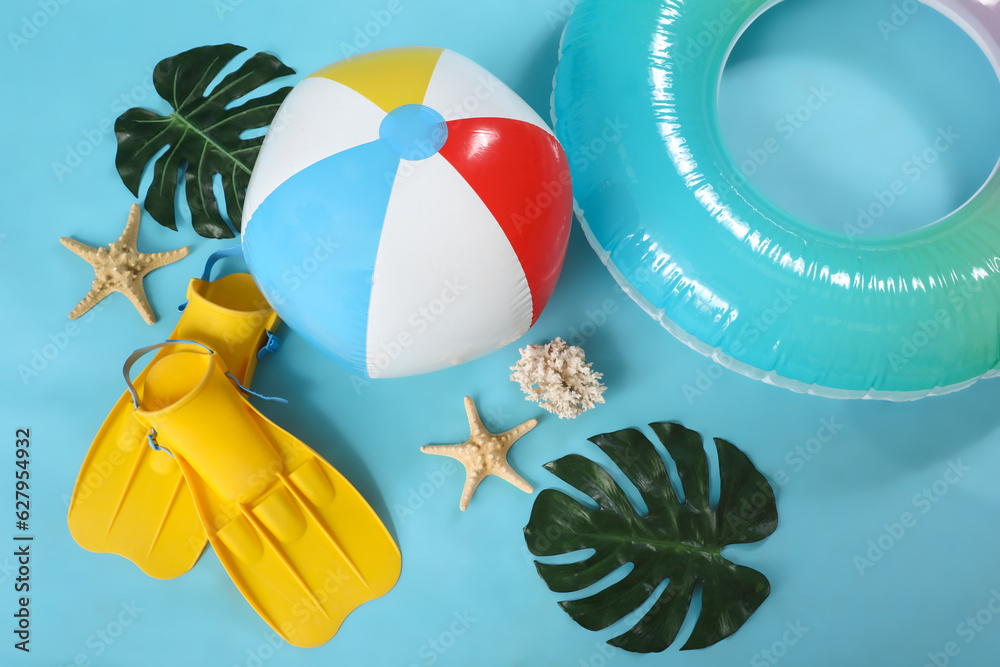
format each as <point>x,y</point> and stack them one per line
<point>132,500</point>
<point>301,544</point>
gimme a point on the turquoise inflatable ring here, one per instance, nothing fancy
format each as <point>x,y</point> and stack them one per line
<point>725,270</point>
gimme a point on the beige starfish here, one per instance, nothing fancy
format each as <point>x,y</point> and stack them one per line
<point>120,268</point>
<point>483,454</point>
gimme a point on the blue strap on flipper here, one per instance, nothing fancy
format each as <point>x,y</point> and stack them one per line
<point>272,399</point>
<point>213,259</point>
<point>272,345</point>
<point>141,352</point>
<point>231,251</point>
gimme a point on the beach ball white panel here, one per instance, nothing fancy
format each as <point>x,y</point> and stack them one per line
<point>461,89</point>
<point>319,118</point>
<point>452,277</point>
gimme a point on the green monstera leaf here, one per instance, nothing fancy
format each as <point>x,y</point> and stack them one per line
<point>677,541</point>
<point>202,134</point>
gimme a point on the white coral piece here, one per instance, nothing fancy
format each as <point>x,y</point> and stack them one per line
<point>558,377</point>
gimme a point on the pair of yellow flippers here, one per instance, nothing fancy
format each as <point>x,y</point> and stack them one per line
<point>301,544</point>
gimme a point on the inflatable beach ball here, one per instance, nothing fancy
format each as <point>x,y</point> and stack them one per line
<point>407,212</point>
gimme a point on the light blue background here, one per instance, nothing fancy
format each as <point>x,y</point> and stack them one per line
<point>68,81</point>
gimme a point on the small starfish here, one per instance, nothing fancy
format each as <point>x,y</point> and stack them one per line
<point>120,268</point>
<point>483,454</point>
